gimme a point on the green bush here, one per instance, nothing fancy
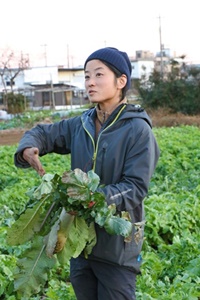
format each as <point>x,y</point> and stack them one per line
<point>16,103</point>
<point>175,92</point>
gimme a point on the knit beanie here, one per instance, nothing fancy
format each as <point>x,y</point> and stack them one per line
<point>116,58</point>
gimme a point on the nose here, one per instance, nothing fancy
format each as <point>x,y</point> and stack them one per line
<point>90,82</point>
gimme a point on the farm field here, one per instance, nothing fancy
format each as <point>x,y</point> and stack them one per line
<point>171,251</point>
<point>12,131</point>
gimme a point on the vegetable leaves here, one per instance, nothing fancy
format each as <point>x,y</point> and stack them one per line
<point>58,222</point>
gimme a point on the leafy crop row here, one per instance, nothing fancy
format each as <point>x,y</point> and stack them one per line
<point>171,252</point>
<point>29,118</point>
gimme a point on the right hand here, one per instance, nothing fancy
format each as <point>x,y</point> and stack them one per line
<point>31,155</point>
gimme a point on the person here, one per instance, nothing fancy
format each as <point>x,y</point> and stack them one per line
<point>114,139</point>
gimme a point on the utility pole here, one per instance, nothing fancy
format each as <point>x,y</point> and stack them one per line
<point>68,56</point>
<point>161,49</point>
<point>52,93</point>
<point>45,53</point>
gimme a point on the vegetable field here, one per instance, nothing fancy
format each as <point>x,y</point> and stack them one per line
<point>171,251</point>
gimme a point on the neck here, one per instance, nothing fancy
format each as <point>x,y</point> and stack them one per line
<point>109,108</point>
<point>103,113</point>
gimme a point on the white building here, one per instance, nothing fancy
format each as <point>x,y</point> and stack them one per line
<point>141,68</point>
<point>143,64</point>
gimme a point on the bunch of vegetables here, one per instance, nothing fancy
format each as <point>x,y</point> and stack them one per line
<point>59,223</point>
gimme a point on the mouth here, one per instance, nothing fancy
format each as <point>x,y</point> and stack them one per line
<point>91,92</point>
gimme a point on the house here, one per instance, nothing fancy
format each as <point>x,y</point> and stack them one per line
<point>46,86</point>
<point>55,86</point>
<point>162,61</point>
<point>142,64</point>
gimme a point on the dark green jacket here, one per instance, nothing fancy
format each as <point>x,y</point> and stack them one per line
<point>124,155</point>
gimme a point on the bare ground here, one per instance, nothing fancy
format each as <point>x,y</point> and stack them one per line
<point>159,118</point>
<point>10,136</point>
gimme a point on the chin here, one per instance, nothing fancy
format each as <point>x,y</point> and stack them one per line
<point>94,101</point>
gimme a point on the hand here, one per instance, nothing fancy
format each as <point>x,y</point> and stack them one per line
<point>31,155</point>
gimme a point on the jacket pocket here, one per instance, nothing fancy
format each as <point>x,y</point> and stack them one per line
<point>108,248</point>
<point>134,247</point>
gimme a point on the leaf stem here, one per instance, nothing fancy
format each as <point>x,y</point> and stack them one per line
<point>47,214</point>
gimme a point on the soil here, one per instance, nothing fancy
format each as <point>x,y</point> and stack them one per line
<point>159,118</point>
<point>10,136</point>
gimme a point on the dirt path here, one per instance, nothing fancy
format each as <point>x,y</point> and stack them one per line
<point>159,118</point>
<point>10,136</point>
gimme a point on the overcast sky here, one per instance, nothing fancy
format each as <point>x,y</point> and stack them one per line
<point>71,30</point>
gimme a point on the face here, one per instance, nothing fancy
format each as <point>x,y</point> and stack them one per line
<point>101,84</point>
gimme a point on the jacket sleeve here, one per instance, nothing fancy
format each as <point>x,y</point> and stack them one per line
<point>138,167</point>
<point>47,138</point>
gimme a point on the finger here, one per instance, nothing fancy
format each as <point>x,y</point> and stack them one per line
<point>41,172</point>
<point>36,164</point>
<point>31,155</point>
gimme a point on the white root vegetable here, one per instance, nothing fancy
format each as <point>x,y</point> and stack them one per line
<point>66,220</point>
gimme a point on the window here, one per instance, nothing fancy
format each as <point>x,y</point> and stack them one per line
<point>45,98</point>
<point>8,83</point>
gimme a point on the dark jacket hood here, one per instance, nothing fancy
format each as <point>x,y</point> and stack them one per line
<point>136,111</point>
<point>131,111</point>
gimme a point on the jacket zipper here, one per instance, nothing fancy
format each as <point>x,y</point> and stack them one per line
<point>97,143</point>
<point>102,164</point>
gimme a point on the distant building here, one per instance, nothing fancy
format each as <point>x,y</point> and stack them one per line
<point>162,61</point>
<point>142,65</point>
<point>55,86</point>
<point>59,86</point>
<point>48,86</point>
<point>144,54</point>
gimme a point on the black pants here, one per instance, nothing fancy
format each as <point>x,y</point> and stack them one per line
<point>92,280</point>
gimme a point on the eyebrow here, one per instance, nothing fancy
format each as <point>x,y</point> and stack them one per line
<point>97,69</point>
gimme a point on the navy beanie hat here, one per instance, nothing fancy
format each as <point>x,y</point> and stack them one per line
<point>116,58</point>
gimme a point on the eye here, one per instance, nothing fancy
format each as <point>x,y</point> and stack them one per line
<point>99,74</point>
<point>86,77</point>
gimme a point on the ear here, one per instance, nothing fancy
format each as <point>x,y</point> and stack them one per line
<point>122,80</point>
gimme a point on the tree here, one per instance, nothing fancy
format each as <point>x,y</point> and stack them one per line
<point>178,90</point>
<point>11,64</point>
